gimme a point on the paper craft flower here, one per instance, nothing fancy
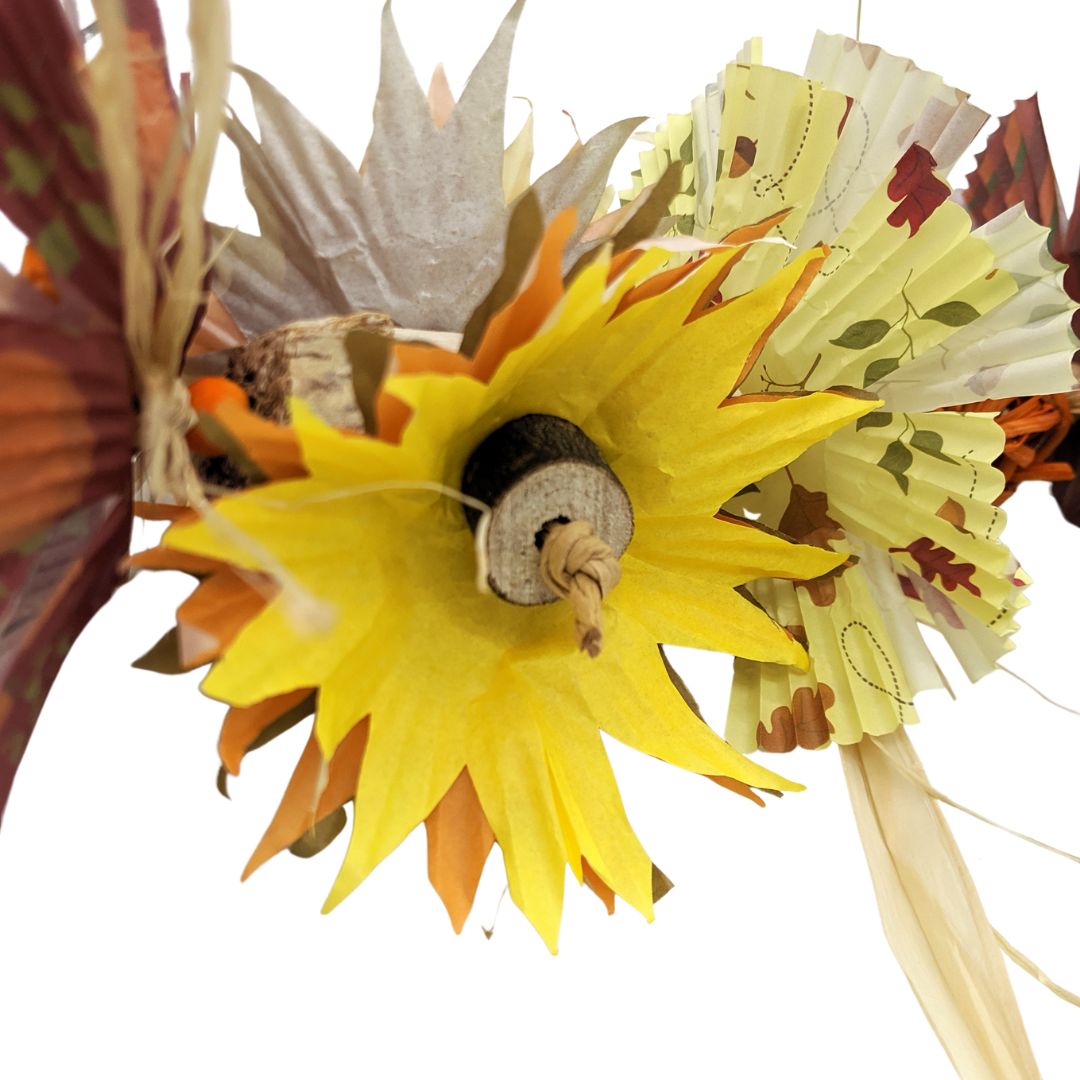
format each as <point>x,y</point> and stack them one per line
<point>913,307</point>
<point>436,693</point>
<point>908,305</point>
<point>336,240</point>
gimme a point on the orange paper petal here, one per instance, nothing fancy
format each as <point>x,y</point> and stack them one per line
<point>513,325</point>
<point>211,617</point>
<point>737,786</point>
<point>37,273</point>
<point>598,885</point>
<point>315,790</point>
<point>242,726</point>
<point>459,840</point>
<point>273,448</point>
<point>162,558</point>
<point>520,319</point>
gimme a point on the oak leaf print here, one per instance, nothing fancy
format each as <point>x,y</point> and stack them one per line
<point>805,723</point>
<point>915,189</point>
<point>936,561</point>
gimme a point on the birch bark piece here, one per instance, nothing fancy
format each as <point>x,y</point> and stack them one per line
<point>308,360</point>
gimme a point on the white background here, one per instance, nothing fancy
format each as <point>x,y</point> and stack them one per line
<point>128,948</point>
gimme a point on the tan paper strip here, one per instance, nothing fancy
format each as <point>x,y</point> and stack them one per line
<point>934,793</point>
<point>932,915</point>
<point>1035,690</point>
<point>1028,965</point>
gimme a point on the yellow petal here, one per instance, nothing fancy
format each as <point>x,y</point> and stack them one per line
<point>410,762</point>
<point>508,764</point>
<point>726,550</point>
<point>631,702</point>
<point>587,790</point>
<point>755,436</point>
<point>699,613</point>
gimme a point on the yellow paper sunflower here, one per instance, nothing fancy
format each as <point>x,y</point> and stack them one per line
<point>436,692</point>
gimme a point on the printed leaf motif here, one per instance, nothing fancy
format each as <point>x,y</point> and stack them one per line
<point>806,518</point>
<point>930,442</point>
<point>881,367</point>
<point>863,334</point>
<point>742,160</point>
<point>878,418</point>
<point>952,512</point>
<point>897,460</point>
<point>954,313</point>
<point>936,561</point>
<point>915,189</point>
<point>805,723</point>
<point>686,151</point>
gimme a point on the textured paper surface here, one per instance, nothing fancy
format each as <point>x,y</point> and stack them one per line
<point>419,233</point>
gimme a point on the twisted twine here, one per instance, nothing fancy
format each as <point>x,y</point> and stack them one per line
<point>580,569</point>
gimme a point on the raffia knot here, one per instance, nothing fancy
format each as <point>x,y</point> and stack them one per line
<point>581,569</point>
<point>166,417</point>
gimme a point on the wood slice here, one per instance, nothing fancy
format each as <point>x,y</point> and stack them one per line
<point>532,471</point>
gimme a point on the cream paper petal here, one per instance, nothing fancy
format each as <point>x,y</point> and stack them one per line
<point>851,117</point>
<point>894,103</point>
<point>862,326</point>
<point>865,645</point>
<point>867,662</point>
<point>1021,347</point>
<point>867,499</point>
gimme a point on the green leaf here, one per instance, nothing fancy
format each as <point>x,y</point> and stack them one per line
<point>683,224</point>
<point>661,884</point>
<point>881,367</point>
<point>954,313</point>
<point>686,151</point>
<point>283,723</point>
<point>523,235</point>
<point>16,102</point>
<point>164,657</point>
<point>647,211</point>
<point>878,418</point>
<point>863,334</point>
<point>216,433</point>
<point>320,835</point>
<point>369,356</point>
<point>28,172</point>
<point>98,222</point>
<point>81,141</point>
<point>930,442</point>
<point>897,460</point>
<point>56,246</point>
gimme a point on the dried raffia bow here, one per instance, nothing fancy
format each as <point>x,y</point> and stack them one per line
<point>163,254</point>
<point>164,261</point>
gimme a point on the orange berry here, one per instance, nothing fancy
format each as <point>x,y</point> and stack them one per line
<point>37,273</point>
<point>206,394</point>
